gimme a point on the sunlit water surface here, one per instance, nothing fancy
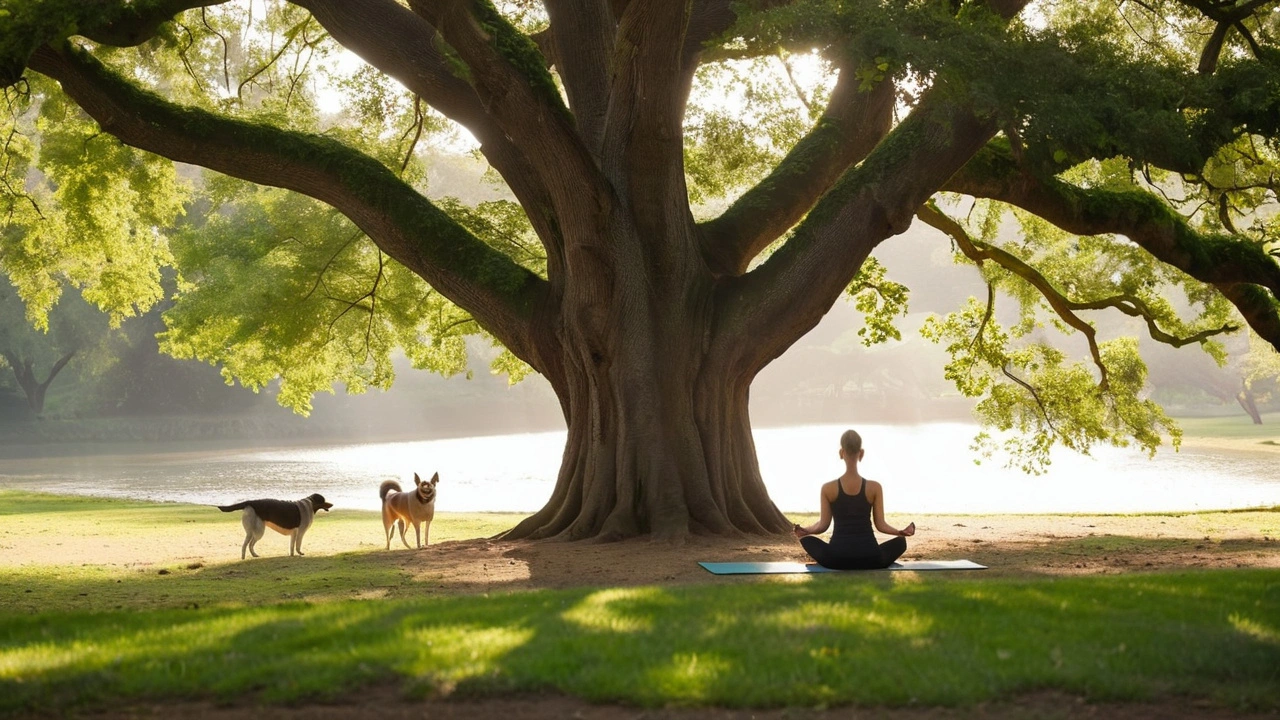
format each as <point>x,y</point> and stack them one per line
<point>924,468</point>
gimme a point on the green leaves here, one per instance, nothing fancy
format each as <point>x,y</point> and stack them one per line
<point>880,301</point>
<point>92,217</point>
<point>1027,387</point>
<point>872,73</point>
<point>744,116</point>
<point>277,286</point>
<point>1035,397</point>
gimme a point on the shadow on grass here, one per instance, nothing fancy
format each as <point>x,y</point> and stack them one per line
<point>884,640</point>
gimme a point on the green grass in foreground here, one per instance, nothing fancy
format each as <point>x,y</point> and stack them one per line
<point>222,632</point>
<point>882,640</point>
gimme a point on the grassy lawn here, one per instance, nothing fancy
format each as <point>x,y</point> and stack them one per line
<point>85,636</point>
<point>1233,426</point>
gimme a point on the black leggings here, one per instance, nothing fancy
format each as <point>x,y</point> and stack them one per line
<point>837,558</point>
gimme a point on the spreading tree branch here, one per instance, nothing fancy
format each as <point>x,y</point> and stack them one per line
<point>1063,306</point>
<point>401,44</point>
<point>980,252</point>
<point>509,76</point>
<point>404,224</point>
<point>1241,270</point>
<point>582,34</point>
<point>870,203</point>
<point>854,121</point>
<point>30,24</point>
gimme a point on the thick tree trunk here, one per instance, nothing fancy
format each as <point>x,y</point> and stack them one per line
<point>665,451</point>
<point>24,372</point>
<point>34,390</point>
<point>1246,400</point>
<point>659,439</point>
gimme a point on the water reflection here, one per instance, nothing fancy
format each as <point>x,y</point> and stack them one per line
<point>925,468</point>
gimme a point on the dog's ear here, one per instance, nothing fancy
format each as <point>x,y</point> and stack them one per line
<point>435,478</point>
<point>417,480</point>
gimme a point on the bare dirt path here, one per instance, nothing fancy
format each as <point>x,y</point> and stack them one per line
<point>1008,544</point>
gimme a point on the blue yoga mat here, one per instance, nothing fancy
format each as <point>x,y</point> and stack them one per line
<point>773,568</point>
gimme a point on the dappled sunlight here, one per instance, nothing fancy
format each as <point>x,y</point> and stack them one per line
<point>796,579</point>
<point>883,618</point>
<point>689,676</point>
<point>1254,628</point>
<point>609,610</point>
<point>107,648</point>
<point>821,642</point>
<point>451,654</point>
<point>905,579</point>
<point>366,594</point>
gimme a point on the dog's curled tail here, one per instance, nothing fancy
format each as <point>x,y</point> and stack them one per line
<point>233,508</point>
<point>387,487</point>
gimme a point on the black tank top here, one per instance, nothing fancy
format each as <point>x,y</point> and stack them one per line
<point>852,514</point>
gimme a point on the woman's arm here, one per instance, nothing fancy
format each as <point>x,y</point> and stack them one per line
<point>876,493</point>
<point>824,518</point>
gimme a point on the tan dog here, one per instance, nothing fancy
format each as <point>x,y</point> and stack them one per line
<point>401,508</point>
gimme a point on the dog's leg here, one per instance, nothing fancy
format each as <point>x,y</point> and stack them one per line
<point>253,529</point>
<point>417,533</point>
<point>388,524</point>
<point>426,533</point>
<point>403,527</point>
<point>257,535</point>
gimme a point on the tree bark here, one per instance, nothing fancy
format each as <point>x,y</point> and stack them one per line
<point>659,438</point>
<point>1250,405</point>
<point>34,389</point>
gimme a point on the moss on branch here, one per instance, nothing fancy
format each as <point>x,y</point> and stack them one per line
<point>1140,216</point>
<point>27,24</point>
<point>321,167</point>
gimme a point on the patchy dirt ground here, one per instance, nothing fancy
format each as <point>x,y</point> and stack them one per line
<point>1008,544</point>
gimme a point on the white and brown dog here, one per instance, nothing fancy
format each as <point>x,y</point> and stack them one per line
<point>285,517</point>
<point>401,508</point>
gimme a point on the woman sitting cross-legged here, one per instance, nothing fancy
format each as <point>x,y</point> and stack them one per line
<point>852,501</point>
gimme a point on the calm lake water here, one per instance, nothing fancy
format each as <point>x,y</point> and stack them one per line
<point>925,468</point>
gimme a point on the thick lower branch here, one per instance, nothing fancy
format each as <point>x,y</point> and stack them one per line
<point>796,286</point>
<point>401,44</point>
<point>29,24</point>
<point>509,76</point>
<point>500,294</point>
<point>1061,304</point>
<point>1227,263</point>
<point>853,123</point>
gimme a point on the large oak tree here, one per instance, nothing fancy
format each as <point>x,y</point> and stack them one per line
<point>1132,145</point>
